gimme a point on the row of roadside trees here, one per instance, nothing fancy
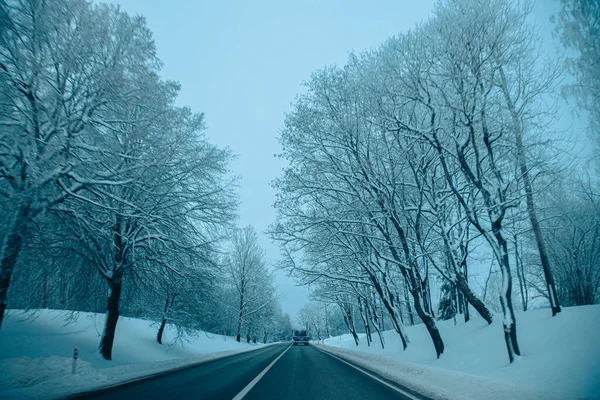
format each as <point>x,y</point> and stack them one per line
<point>412,154</point>
<point>112,198</point>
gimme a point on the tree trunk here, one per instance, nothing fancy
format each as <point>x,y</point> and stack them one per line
<point>354,335</point>
<point>375,321</point>
<point>410,314</point>
<point>327,332</point>
<point>240,317</point>
<point>318,331</point>
<point>535,225</point>
<point>397,324</point>
<point>424,295</point>
<point>429,297</point>
<point>477,304</point>
<point>161,330</point>
<point>459,267</point>
<point>362,312</point>
<point>350,324</point>
<point>427,319</point>
<point>509,322</point>
<point>465,307</point>
<point>391,309</point>
<point>539,238</point>
<point>465,299</point>
<point>9,252</point>
<point>163,322</point>
<point>12,249</point>
<point>519,273</point>
<point>367,324</point>
<point>413,281</point>
<point>112,316</point>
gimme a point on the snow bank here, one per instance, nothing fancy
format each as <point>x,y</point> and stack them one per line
<point>36,353</point>
<point>560,356</point>
<point>438,383</point>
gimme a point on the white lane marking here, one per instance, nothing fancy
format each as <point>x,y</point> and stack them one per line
<point>409,395</point>
<point>254,381</point>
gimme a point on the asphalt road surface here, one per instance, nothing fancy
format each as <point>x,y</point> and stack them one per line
<point>296,372</point>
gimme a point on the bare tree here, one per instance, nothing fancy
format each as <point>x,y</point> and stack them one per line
<point>574,234</point>
<point>250,277</point>
<point>54,78</point>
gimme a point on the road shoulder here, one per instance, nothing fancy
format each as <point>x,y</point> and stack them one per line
<point>89,380</point>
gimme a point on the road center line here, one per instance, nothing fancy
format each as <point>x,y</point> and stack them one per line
<point>397,389</point>
<point>254,381</point>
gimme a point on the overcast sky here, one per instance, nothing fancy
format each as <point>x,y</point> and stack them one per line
<point>242,63</point>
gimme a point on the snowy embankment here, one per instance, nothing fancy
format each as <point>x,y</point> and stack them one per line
<point>560,357</point>
<point>36,353</point>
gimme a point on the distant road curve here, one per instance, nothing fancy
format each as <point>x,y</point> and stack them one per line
<point>279,371</point>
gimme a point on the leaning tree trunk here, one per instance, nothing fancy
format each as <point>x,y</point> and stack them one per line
<point>393,309</point>
<point>539,238</point>
<point>413,281</point>
<point>535,225</point>
<point>459,268</point>
<point>397,323</point>
<point>472,299</point>
<point>365,321</point>
<point>9,253</point>
<point>163,322</point>
<point>376,323</point>
<point>112,316</point>
<point>161,330</point>
<point>427,319</point>
<point>388,303</point>
<point>350,324</point>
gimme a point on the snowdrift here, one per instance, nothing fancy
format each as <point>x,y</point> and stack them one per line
<point>36,351</point>
<point>560,357</point>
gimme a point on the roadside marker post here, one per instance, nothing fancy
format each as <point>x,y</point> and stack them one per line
<point>75,356</point>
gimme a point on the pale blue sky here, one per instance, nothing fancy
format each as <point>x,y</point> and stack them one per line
<point>242,63</point>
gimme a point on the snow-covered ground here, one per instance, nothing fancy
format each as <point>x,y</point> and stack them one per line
<point>560,357</point>
<point>36,353</point>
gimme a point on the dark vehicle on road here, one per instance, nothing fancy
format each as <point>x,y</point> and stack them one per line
<point>301,337</point>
